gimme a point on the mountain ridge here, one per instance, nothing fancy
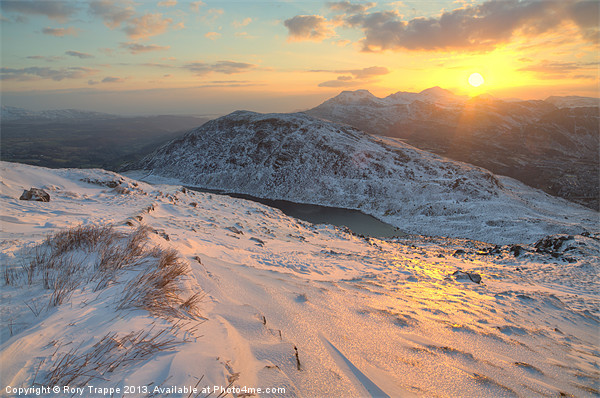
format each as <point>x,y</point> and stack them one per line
<point>514,138</point>
<point>303,159</point>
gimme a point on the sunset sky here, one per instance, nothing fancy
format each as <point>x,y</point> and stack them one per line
<point>213,57</point>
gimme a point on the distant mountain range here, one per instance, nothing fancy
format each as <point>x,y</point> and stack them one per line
<point>12,113</point>
<point>303,159</point>
<point>551,144</point>
<point>76,138</point>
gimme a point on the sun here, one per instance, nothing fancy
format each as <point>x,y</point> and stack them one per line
<point>476,80</point>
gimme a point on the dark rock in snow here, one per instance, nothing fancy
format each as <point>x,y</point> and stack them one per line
<point>515,250</point>
<point>466,276</point>
<point>552,244</point>
<point>35,194</point>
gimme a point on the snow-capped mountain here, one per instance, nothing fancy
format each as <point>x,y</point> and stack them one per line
<point>11,114</point>
<point>551,145</point>
<point>307,160</point>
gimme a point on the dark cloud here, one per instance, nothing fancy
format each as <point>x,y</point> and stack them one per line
<point>136,48</point>
<point>59,11</point>
<point>60,32</point>
<point>112,79</point>
<point>226,67</point>
<point>35,72</point>
<point>78,54</point>
<point>350,8</point>
<point>479,27</point>
<point>308,27</point>
<point>44,58</point>
<point>586,14</point>
<point>112,13</point>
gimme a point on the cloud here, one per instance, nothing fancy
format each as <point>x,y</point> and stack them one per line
<point>366,73</point>
<point>561,70</point>
<point>136,48</point>
<point>167,3</point>
<point>359,76</point>
<point>112,79</point>
<point>226,67</point>
<point>60,32</point>
<point>212,35</point>
<point>342,42</point>
<point>308,27</point>
<point>586,14</point>
<point>34,72</point>
<point>195,5</point>
<point>157,65</point>
<point>146,26</point>
<point>340,83</point>
<point>78,54</point>
<point>112,13</point>
<point>350,8</point>
<point>241,24</point>
<point>59,11</point>
<point>480,27</point>
<point>244,35</point>
<point>45,58</point>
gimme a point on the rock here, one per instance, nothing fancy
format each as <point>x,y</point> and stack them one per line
<point>35,194</point>
<point>515,250</point>
<point>466,276</point>
<point>550,244</point>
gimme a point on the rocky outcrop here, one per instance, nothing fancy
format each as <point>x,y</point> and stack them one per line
<point>35,194</point>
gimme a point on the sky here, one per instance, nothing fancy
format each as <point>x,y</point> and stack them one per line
<point>214,57</point>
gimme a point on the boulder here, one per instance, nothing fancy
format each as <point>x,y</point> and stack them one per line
<point>35,194</point>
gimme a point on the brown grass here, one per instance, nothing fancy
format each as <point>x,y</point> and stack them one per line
<point>71,258</point>
<point>107,355</point>
<point>157,290</point>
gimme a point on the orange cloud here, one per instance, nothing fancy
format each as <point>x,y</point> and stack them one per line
<point>212,35</point>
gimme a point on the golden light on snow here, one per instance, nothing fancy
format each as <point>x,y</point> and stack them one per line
<point>476,80</point>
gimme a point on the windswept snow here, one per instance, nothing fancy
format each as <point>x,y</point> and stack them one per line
<point>311,309</point>
<point>302,159</point>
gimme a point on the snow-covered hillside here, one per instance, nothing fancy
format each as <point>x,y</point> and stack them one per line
<point>298,158</point>
<point>170,289</point>
<point>550,145</point>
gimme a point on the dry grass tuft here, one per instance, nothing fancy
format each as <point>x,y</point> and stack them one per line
<point>157,290</point>
<point>81,237</point>
<point>73,257</point>
<point>107,355</point>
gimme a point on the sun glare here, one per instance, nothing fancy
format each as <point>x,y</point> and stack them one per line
<point>476,80</point>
